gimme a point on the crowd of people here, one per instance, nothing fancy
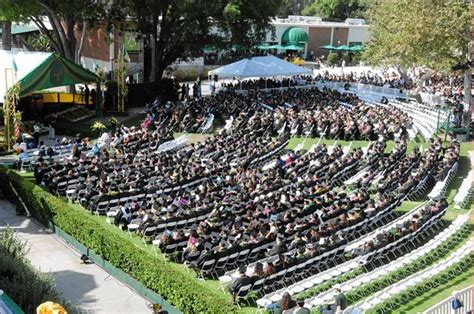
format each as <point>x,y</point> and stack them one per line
<point>450,87</point>
<point>392,80</point>
<point>314,112</point>
<point>223,208</point>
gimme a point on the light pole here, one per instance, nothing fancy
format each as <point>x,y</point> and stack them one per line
<point>447,125</point>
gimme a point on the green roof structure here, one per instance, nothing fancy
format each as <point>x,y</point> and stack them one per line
<point>55,71</point>
<point>294,35</point>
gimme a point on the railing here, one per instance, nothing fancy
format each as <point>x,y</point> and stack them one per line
<point>445,307</point>
<point>7,305</point>
<point>432,99</point>
<point>394,92</point>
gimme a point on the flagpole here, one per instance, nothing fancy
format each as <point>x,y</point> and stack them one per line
<point>11,117</point>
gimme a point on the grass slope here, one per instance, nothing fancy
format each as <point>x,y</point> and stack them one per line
<point>432,297</point>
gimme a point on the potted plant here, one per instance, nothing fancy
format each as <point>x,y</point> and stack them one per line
<point>332,59</point>
<point>98,127</point>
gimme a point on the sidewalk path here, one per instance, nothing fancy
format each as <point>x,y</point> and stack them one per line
<point>87,286</point>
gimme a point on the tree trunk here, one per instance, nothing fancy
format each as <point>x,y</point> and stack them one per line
<point>159,73</point>
<point>81,42</point>
<point>43,30</point>
<point>7,36</point>
<point>403,73</point>
<point>70,37</point>
<point>153,42</point>
<point>158,63</point>
<point>59,30</point>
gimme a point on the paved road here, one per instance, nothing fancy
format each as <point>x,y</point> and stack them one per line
<point>88,286</point>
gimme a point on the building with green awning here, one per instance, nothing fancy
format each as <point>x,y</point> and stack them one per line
<point>294,36</point>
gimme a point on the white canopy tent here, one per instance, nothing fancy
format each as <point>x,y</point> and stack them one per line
<point>25,62</point>
<point>266,66</point>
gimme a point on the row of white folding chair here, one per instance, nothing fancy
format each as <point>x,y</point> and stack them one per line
<point>397,264</point>
<point>427,224</point>
<point>415,107</point>
<point>400,220</point>
<point>311,281</point>
<point>414,279</point>
<point>441,186</point>
<point>328,295</point>
<point>465,192</point>
<point>206,126</point>
<point>321,277</point>
<point>357,177</point>
<point>173,144</point>
<point>424,122</point>
<point>428,115</point>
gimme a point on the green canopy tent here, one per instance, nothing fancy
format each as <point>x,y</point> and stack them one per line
<point>275,47</point>
<point>293,47</point>
<point>209,49</point>
<point>55,71</point>
<point>38,71</point>
<point>328,47</point>
<point>356,48</point>
<point>342,48</point>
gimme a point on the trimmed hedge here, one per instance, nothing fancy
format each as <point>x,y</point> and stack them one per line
<point>171,281</point>
<point>25,285</point>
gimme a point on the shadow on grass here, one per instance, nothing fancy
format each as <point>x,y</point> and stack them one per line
<point>432,293</point>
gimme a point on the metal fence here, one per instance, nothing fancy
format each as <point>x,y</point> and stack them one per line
<point>7,305</point>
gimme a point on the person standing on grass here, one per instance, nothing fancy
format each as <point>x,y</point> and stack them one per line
<point>340,301</point>
<point>238,283</point>
<point>300,308</point>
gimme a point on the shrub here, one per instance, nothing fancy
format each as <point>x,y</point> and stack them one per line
<point>357,58</point>
<point>333,58</point>
<point>27,286</point>
<point>193,73</point>
<point>346,58</point>
<point>170,280</point>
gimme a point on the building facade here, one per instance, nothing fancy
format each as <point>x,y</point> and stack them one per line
<point>351,32</point>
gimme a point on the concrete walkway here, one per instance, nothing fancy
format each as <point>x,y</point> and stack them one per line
<point>87,286</point>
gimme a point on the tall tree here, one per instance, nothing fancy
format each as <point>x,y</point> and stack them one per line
<point>292,7</point>
<point>65,16</point>
<point>431,33</point>
<point>179,29</point>
<point>337,10</point>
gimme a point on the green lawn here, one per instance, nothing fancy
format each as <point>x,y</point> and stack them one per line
<point>294,141</point>
<point>430,298</point>
<point>426,300</point>
<point>308,142</point>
